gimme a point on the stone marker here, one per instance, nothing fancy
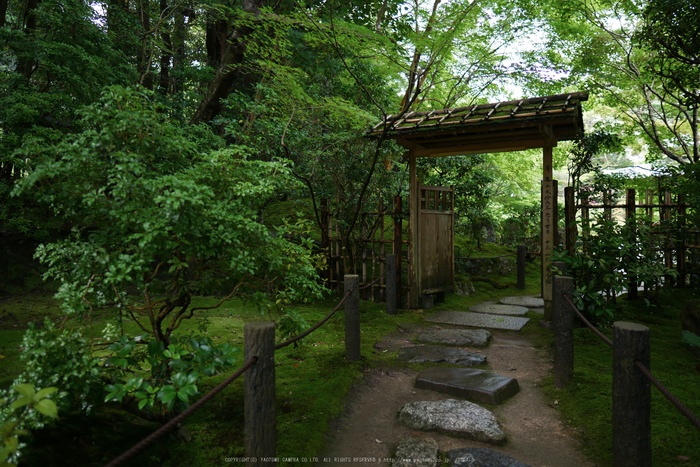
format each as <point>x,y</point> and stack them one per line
<point>497,309</point>
<point>529,302</point>
<point>479,385</point>
<point>458,337</point>
<point>481,457</point>
<point>415,452</point>
<point>424,353</point>
<point>455,417</point>
<point>479,320</point>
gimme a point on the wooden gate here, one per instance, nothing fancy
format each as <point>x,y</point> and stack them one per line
<point>436,239</point>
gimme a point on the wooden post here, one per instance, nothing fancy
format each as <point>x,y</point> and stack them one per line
<point>522,251</point>
<point>570,219</point>
<point>391,285</point>
<point>259,387</point>
<point>585,223</point>
<point>563,327</point>
<point>352,317</point>
<point>555,213</point>
<point>668,255</point>
<point>631,219</point>
<point>631,396</point>
<point>682,247</point>
<point>549,204</point>
<point>607,210</point>
<point>398,243</point>
<point>414,228</point>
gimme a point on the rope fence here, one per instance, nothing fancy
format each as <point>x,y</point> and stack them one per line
<point>259,349</point>
<point>631,389</point>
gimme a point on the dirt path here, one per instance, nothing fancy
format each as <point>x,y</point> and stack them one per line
<point>536,436</point>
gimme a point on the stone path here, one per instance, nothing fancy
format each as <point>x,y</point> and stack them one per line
<point>461,418</point>
<point>405,418</point>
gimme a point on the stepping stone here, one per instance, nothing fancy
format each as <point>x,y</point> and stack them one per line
<point>479,320</point>
<point>455,417</point>
<point>479,385</point>
<point>424,353</point>
<point>529,302</point>
<point>457,337</point>
<point>481,457</point>
<point>496,309</point>
<point>415,452</point>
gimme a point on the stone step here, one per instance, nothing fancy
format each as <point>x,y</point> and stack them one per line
<point>498,309</point>
<point>526,301</point>
<point>460,418</point>
<point>481,457</point>
<point>478,385</point>
<point>416,452</point>
<point>427,353</point>
<point>479,320</point>
<point>456,337</point>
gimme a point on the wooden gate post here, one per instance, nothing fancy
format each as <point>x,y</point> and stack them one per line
<point>631,396</point>
<point>352,317</point>
<point>390,294</point>
<point>260,399</point>
<point>570,219</point>
<point>563,327</point>
<point>631,220</point>
<point>522,251</point>
<point>398,241</point>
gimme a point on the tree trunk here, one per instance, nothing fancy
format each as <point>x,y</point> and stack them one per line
<point>179,50</point>
<point>222,84</point>
<point>217,30</point>
<point>142,55</point>
<point>3,12</point>
<point>165,54</point>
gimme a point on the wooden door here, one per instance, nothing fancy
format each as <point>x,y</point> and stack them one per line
<point>436,239</point>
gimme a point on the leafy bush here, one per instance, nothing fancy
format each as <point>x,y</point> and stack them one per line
<point>164,212</point>
<point>18,415</point>
<point>61,358</point>
<point>612,256</point>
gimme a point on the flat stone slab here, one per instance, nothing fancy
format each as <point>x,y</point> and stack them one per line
<point>497,309</point>
<point>479,385</point>
<point>415,452</point>
<point>458,337</point>
<point>425,353</point>
<point>455,417</point>
<point>528,302</point>
<point>479,320</point>
<point>481,457</point>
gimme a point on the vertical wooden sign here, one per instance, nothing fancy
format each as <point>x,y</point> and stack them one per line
<point>548,226</point>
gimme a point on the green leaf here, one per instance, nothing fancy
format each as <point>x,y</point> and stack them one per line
<point>22,401</point>
<point>691,338</point>
<point>47,407</point>
<point>44,392</point>
<point>27,390</point>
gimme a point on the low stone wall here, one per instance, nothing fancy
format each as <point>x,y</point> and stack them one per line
<point>485,266</point>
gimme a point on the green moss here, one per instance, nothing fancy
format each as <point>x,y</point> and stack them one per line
<point>586,403</point>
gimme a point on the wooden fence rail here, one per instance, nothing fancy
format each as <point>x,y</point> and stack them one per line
<point>370,249</point>
<point>259,386</point>
<point>631,397</point>
<point>675,248</point>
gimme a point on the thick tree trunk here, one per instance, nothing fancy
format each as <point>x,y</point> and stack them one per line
<point>217,30</point>
<point>222,84</point>
<point>3,12</point>
<point>26,66</point>
<point>165,54</point>
<point>142,55</point>
<point>179,34</point>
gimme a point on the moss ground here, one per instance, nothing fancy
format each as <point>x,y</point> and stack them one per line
<point>314,379</point>
<point>586,403</point>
